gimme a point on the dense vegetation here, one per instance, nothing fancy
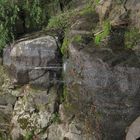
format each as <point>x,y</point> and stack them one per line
<point>25,15</point>
<point>18,17</point>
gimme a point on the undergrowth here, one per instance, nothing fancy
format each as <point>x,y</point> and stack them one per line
<point>105,32</point>
<point>31,13</point>
<point>64,20</point>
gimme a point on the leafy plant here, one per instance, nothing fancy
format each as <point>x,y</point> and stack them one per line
<point>87,10</point>
<point>8,17</point>
<point>61,21</point>
<point>34,17</point>
<point>97,1</point>
<point>65,46</point>
<point>29,135</point>
<point>66,42</point>
<point>35,13</point>
<point>56,118</point>
<point>106,30</point>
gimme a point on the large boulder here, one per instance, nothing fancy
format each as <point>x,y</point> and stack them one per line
<point>134,130</point>
<point>102,90</point>
<point>35,61</point>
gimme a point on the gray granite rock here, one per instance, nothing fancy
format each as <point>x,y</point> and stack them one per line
<point>34,61</point>
<point>102,86</point>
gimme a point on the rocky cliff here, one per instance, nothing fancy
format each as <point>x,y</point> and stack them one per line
<point>77,80</point>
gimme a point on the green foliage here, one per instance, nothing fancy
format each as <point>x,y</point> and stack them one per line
<point>29,135</point>
<point>35,13</point>
<point>132,37</point>
<point>58,22</point>
<point>77,38</point>
<point>97,1</point>
<point>66,42</point>
<point>62,21</point>
<point>56,118</point>
<point>106,30</point>
<point>65,46</point>
<point>8,17</point>
<point>4,37</point>
<point>64,95</point>
<point>35,17</point>
<point>87,10</point>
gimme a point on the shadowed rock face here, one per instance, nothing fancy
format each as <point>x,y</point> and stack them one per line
<point>33,61</point>
<point>134,130</point>
<point>104,88</point>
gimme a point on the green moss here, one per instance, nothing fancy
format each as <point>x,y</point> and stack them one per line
<point>64,95</point>
<point>106,30</point>
<point>70,106</point>
<point>64,20</point>
<point>132,37</point>
<point>66,42</point>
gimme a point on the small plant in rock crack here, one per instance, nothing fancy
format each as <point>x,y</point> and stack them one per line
<point>56,118</point>
<point>64,48</point>
<point>29,135</point>
<point>105,32</point>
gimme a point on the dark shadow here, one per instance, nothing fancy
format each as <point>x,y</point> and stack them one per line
<point>63,4</point>
<point>138,138</point>
<point>117,38</point>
